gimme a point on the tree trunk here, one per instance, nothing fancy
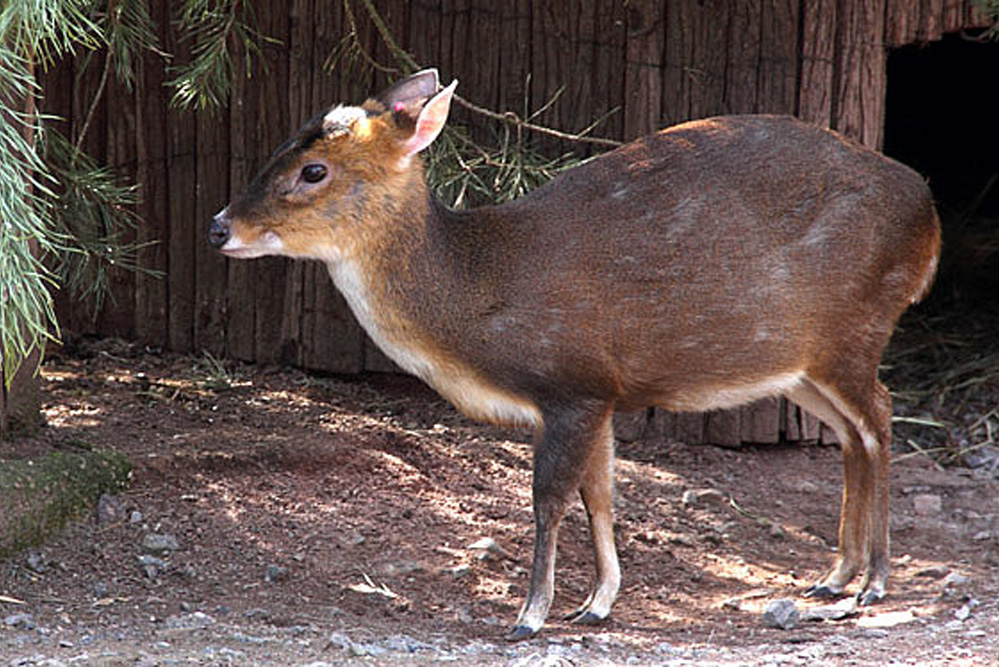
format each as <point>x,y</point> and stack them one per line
<point>20,403</point>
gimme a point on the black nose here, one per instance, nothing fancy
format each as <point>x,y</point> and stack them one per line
<point>220,231</point>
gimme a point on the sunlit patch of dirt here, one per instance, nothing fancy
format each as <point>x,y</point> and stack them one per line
<point>369,493</point>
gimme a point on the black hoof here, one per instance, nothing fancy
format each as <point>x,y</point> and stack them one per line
<point>822,591</point>
<point>519,633</point>
<point>586,618</point>
<point>869,597</point>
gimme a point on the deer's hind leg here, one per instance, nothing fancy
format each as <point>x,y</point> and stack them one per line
<point>860,414</point>
<point>597,491</point>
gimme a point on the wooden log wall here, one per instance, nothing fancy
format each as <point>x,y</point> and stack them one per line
<point>647,63</point>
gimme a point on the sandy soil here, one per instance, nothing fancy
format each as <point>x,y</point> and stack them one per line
<point>324,520</point>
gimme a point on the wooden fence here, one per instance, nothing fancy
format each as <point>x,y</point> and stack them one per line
<point>646,63</point>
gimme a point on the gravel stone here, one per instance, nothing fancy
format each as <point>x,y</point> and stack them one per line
<point>160,545</point>
<point>782,614</point>
<point>20,621</point>
<point>151,566</point>
<point>927,504</point>
<point>110,510</point>
<point>703,497</point>
<point>193,621</point>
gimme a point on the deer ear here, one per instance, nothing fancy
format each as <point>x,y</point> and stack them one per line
<point>429,122</point>
<point>413,89</point>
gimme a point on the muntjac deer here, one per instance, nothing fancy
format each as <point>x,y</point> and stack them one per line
<point>711,264</point>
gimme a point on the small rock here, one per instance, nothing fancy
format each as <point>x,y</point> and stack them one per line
<point>460,570</point>
<point>982,457</point>
<point>20,621</point>
<point>339,640</point>
<point>193,621</point>
<point>664,648</point>
<point>955,584</point>
<point>399,568</point>
<point>806,486</point>
<point>406,644</point>
<point>257,614</point>
<point>110,509</point>
<point>982,536</point>
<point>160,545</point>
<point>935,572</point>
<point>36,562</point>
<point>463,614</point>
<point>682,540</point>
<point>963,613</point>
<point>354,648</point>
<point>487,547</point>
<point>135,517</point>
<point>782,614</point>
<point>832,612</point>
<point>701,497</point>
<point>875,633</point>
<point>927,504</point>
<point>732,604</point>
<point>151,566</point>
<point>275,573</point>
<point>956,579</point>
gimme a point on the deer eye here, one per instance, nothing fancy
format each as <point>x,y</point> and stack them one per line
<point>313,173</point>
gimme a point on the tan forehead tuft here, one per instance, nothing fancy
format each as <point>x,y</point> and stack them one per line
<point>342,118</point>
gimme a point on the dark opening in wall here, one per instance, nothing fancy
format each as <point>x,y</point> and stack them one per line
<point>942,118</point>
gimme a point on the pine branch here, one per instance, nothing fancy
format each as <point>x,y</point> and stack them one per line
<point>215,28</point>
<point>410,65</point>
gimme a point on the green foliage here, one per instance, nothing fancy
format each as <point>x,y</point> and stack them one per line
<point>461,170</point>
<point>213,373</point>
<point>32,32</point>
<point>129,32</point>
<point>57,208</point>
<point>214,28</point>
<point>465,173</point>
<point>93,215</point>
<point>990,8</point>
<point>44,30</point>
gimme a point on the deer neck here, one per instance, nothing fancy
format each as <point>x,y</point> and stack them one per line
<point>409,289</point>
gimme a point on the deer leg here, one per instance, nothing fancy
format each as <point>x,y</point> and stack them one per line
<point>878,546</point>
<point>561,456</point>
<point>597,491</point>
<point>856,493</point>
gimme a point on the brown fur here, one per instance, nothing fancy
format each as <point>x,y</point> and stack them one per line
<point>710,264</point>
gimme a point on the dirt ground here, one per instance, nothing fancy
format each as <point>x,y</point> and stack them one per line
<point>326,520</point>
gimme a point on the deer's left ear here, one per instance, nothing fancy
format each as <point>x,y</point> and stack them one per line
<point>413,90</point>
<point>429,122</point>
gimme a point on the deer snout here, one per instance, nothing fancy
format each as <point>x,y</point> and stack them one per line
<point>221,229</point>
